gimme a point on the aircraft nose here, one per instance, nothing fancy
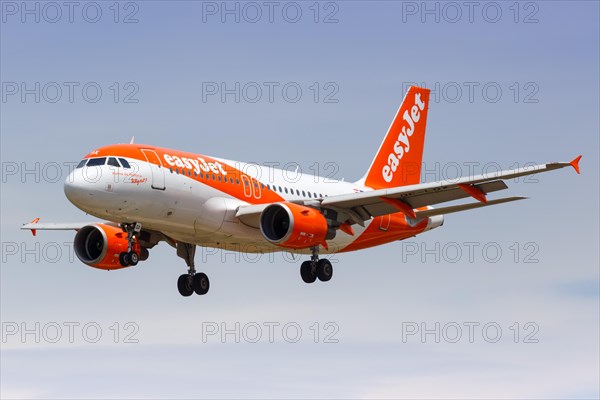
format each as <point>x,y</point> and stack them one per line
<point>70,187</point>
<point>73,187</point>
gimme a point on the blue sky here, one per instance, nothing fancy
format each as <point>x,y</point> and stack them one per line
<point>545,65</point>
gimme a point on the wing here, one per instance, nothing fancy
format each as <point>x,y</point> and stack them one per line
<point>34,226</point>
<point>416,200</point>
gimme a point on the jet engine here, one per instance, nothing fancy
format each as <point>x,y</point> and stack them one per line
<point>100,245</point>
<point>294,226</point>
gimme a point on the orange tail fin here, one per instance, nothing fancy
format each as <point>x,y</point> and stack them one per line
<point>398,160</point>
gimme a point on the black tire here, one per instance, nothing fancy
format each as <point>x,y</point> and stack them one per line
<point>201,283</point>
<point>144,254</point>
<point>124,259</point>
<point>184,285</point>
<point>306,272</point>
<point>324,270</point>
<point>132,258</point>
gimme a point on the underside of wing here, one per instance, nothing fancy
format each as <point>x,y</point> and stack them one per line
<point>416,200</point>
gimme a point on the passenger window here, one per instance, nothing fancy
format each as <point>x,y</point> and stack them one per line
<point>219,177</point>
<point>171,169</point>
<point>297,192</point>
<point>286,190</point>
<point>309,195</point>
<point>81,163</point>
<point>95,162</point>
<point>113,162</point>
<point>231,180</point>
<point>237,181</point>
<point>124,163</point>
<point>303,194</point>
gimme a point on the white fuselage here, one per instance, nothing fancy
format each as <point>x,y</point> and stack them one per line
<point>164,199</point>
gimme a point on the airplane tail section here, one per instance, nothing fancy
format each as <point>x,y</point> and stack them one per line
<point>398,160</point>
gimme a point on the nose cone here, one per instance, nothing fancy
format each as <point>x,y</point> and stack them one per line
<point>74,188</point>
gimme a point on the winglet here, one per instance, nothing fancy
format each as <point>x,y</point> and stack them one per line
<point>575,164</point>
<point>35,221</point>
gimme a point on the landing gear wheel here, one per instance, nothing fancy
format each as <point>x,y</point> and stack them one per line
<point>184,285</point>
<point>124,259</point>
<point>132,257</point>
<point>324,270</point>
<point>307,273</point>
<point>201,283</point>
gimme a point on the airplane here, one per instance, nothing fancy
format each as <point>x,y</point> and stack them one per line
<point>148,194</point>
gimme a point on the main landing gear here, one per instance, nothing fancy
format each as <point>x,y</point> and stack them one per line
<point>315,268</point>
<point>192,281</point>
<point>130,257</point>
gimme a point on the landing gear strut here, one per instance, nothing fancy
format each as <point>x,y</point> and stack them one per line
<point>315,268</point>
<point>130,257</point>
<point>192,281</point>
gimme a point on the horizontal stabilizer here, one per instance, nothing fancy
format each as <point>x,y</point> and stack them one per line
<point>464,207</point>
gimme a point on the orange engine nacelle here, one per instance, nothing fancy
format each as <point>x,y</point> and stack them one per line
<point>293,226</point>
<point>99,246</point>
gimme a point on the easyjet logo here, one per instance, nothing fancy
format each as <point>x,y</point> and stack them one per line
<point>196,164</point>
<point>402,145</point>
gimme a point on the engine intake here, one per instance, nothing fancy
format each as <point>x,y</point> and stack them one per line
<point>293,226</point>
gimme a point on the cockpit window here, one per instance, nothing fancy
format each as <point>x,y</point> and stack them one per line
<point>124,163</point>
<point>94,162</point>
<point>82,163</point>
<point>113,162</point>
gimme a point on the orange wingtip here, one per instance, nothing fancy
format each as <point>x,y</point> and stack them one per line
<point>575,164</point>
<point>35,221</point>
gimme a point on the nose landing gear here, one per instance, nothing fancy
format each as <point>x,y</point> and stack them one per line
<point>130,257</point>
